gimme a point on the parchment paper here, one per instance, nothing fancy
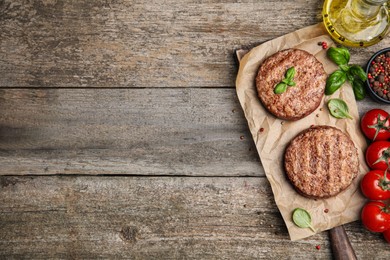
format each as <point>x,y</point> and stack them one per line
<point>276,134</point>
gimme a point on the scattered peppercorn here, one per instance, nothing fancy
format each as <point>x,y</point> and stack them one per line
<point>261,130</point>
<point>326,210</point>
<point>318,247</point>
<point>379,75</point>
<point>241,137</point>
<point>324,45</point>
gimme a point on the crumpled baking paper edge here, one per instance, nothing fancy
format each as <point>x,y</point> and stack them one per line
<point>271,135</point>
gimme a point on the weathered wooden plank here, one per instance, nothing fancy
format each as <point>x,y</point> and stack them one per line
<point>133,43</point>
<point>185,131</point>
<point>189,43</point>
<point>125,131</point>
<point>162,217</point>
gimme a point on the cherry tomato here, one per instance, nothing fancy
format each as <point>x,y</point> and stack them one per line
<point>375,186</point>
<point>386,235</point>
<point>378,155</point>
<point>376,216</point>
<point>375,125</point>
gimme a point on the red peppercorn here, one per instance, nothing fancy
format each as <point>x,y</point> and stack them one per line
<point>318,247</point>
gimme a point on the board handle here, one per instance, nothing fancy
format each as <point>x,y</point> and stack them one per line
<point>341,247</point>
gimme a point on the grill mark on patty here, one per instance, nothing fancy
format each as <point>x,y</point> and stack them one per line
<point>333,161</point>
<point>313,151</point>
<point>321,162</point>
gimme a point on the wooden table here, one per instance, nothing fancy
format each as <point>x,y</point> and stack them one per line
<point>121,135</point>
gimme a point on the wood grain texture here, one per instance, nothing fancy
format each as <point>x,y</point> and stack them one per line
<point>125,131</point>
<point>107,43</point>
<point>158,218</point>
<point>195,132</point>
<point>145,89</point>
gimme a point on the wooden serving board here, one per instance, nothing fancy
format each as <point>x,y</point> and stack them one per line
<point>341,246</point>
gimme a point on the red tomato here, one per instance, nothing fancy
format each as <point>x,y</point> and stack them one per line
<point>378,155</point>
<point>375,125</point>
<point>375,186</point>
<point>376,216</point>
<point>386,235</point>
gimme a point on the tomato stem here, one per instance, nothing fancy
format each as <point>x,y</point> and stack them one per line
<point>384,183</point>
<point>384,157</point>
<point>380,124</point>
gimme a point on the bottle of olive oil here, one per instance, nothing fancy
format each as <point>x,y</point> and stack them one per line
<point>357,23</point>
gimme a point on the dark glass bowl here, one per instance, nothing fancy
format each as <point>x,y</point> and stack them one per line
<point>370,91</point>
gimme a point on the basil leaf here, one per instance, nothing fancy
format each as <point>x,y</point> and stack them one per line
<point>291,83</point>
<point>358,89</point>
<point>350,76</point>
<point>344,67</point>
<point>290,73</point>
<point>357,71</point>
<point>334,81</point>
<point>340,56</point>
<point>338,108</point>
<point>286,82</point>
<point>302,218</point>
<point>280,88</point>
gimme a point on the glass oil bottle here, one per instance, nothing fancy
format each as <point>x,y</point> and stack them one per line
<point>356,23</point>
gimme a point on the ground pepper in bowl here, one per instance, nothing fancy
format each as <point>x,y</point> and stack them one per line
<point>378,76</point>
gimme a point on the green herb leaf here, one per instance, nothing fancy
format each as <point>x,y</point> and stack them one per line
<point>344,67</point>
<point>340,56</point>
<point>302,218</point>
<point>358,89</point>
<point>286,82</point>
<point>354,73</point>
<point>350,77</point>
<point>291,83</point>
<point>290,73</point>
<point>334,81</point>
<point>280,88</point>
<point>338,108</point>
<point>357,71</point>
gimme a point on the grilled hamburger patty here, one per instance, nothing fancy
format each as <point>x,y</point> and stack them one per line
<point>321,162</point>
<point>298,101</point>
